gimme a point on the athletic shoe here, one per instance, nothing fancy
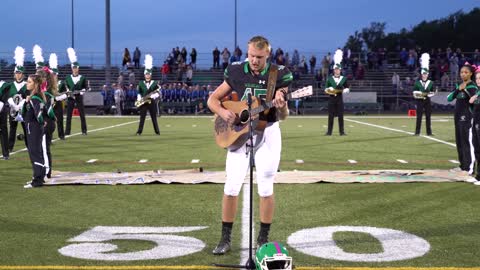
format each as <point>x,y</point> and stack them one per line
<point>471,180</point>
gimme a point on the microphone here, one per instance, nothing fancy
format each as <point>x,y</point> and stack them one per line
<point>249,98</point>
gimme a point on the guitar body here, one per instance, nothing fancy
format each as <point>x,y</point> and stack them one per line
<point>234,136</point>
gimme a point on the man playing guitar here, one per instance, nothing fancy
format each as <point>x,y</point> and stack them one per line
<point>251,77</point>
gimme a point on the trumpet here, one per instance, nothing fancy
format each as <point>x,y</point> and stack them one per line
<point>146,99</point>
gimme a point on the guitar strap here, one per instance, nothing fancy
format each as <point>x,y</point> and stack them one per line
<point>272,82</point>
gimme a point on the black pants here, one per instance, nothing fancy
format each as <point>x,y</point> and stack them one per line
<point>476,143</point>
<point>71,102</point>
<point>424,104</point>
<point>58,109</point>
<point>35,135</point>
<point>49,129</point>
<point>4,132</point>
<point>13,133</point>
<point>152,108</point>
<point>463,125</point>
<point>335,108</point>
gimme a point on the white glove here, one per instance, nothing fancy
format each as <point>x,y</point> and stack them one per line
<point>346,90</point>
<point>19,118</point>
<point>61,97</point>
<point>417,94</point>
<point>431,94</point>
<point>139,97</point>
<point>12,104</point>
<point>82,92</point>
<point>155,96</point>
<point>1,106</point>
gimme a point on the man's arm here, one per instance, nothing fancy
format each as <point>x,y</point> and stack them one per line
<point>215,106</point>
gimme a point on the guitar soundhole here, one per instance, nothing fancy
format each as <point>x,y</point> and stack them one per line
<point>244,116</point>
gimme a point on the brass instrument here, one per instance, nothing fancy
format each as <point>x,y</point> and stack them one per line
<point>423,95</point>
<point>333,92</point>
<point>146,99</point>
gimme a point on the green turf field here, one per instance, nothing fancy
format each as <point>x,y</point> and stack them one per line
<point>37,224</point>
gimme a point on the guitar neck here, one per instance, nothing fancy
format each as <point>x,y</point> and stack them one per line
<point>266,106</point>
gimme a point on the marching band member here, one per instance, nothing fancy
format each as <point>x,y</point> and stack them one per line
<point>32,111</point>
<point>335,87</point>
<point>4,94</point>
<point>476,129</point>
<point>76,86</point>
<point>60,96</point>
<point>463,118</point>
<point>18,86</point>
<point>148,89</point>
<point>422,92</point>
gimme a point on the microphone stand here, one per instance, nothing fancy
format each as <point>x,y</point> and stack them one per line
<point>250,263</point>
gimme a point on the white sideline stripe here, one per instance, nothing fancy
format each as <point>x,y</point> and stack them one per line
<point>454,161</point>
<point>246,224</point>
<point>76,134</point>
<point>401,131</point>
<point>91,160</point>
<point>195,161</point>
<point>143,161</point>
<point>352,161</point>
<point>402,161</point>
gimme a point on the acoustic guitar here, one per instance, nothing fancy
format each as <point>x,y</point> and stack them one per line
<point>233,136</point>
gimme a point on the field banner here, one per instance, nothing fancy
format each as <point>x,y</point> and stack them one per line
<point>360,97</point>
<point>196,176</point>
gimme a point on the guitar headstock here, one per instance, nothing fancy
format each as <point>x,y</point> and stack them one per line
<point>302,92</point>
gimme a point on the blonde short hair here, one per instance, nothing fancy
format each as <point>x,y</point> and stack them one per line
<point>261,43</point>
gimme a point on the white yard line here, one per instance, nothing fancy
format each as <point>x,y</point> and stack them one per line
<point>352,161</point>
<point>246,225</point>
<point>401,131</point>
<point>92,160</point>
<point>76,134</point>
<point>143,161</point>
<point>402,161</point>
<point>454,161</point>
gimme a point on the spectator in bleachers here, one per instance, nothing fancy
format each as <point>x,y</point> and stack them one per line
<point>360,74</point>
<point>319,79</point>
<point>126,58</point>
<point>183,52</point>
<point>238,53</point>
<point>108,98</point>
<point>165,70</point>
<point>189,75</point>
<point>287,60</point>
<point>395,83</point>
<point>325,66</point>
<point>445,81</point>
<point>313,62</point>
<point>453,63</point>
<point>303,65</point>
<point>225,58</point>
<point>476,57</point>
<point>216,58</point>
<point>295,58</point>
<point>130,98</point>
<point>131,77</point>
<point>280,60</point>
<point>193,58</point>
<point>118,97</point>
<point>136,57</point>
<point>411,62</point>
<point>120,78</point>
<point>176,52</point>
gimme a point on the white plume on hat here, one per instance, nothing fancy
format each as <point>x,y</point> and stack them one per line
<point>19,56</point>
<point>37,54</point>
<point>72,56</point>
<point>425,61</point>
<point>337,57</point>
<point>53,61</point>
<point>148,61</point>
